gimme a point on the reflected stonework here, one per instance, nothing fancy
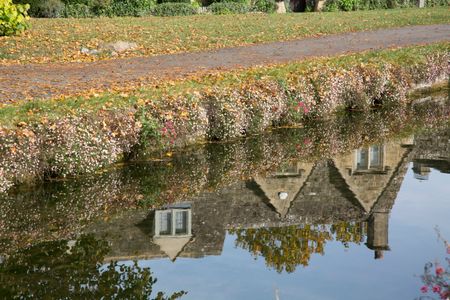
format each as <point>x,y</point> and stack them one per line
<point>285,215</point>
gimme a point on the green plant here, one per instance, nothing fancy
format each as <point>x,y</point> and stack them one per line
<point>267,6</point>
<point>134,8</point>
<point>174,1</point>
<point>13,17</point>
<point>44,8</point>
<point>77,10</point>
<point>173,9</point>
<point>347,5</point>
<point>226,8</point>
<point>50,9</point>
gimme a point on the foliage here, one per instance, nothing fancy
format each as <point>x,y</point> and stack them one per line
<point>77,10</point>
<point>135,8</point>
<point>173,9</point>
<point>13,18</point>
<point>284,248</point>
<point>352,5</point>
<point>209,2</point>
<point>174,1</point>
<point>66,272</point>
<point>226,8</point>
<point>266,6</point>
<point>49,9</point>
<point>52,142</point>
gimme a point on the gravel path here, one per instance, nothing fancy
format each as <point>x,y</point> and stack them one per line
<point>49,80</point>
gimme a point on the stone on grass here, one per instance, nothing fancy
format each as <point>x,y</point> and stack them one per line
<point>119,46</point>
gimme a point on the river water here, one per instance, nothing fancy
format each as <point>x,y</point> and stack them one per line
<point>349,208</point>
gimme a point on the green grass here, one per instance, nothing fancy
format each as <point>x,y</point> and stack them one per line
<point>36,111</point>
<point>58,40</point>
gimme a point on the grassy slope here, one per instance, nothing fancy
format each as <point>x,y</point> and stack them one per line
<point>58,40</point>
<point>11,115</point>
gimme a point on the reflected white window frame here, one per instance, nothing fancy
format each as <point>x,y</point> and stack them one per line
<point>173,213</point>
<point>290,170</point>
<point>368,165</point>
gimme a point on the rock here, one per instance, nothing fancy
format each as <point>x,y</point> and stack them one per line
<point>119,46</point>
<point>87,51</point>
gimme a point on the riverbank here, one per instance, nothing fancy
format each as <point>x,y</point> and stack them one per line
<point>68,137</point>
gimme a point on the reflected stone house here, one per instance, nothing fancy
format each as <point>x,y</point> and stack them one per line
<point>360,186</point>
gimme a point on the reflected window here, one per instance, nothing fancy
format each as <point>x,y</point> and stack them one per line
<point>375,157</point>
<point>174,221</point>
<point>165,224</point>
<point>362,159</point>
<point>371,158</point>
<point>181,218</point>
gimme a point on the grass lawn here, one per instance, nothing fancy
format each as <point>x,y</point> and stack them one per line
<point>35,111</point>
<point>60,40</point>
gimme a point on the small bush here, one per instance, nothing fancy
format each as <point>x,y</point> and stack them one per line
<point>226,8</point>
<point>44,8</point>
<point>13,17</point>
<point>174,1</point>
<point>50,9</point>
<point>348,5</point>
<point>266,6</point>
<point>77,11</point>
<point>134,8</point>
<point>173,9</point>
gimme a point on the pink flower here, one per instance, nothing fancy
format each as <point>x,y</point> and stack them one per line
<point>424,289</point>
<point>436,289</point>
<point>445,295</point>
<point>439,270</point>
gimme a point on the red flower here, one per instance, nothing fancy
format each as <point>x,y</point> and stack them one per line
<point>424,289</point>
<point>439,270</point>
<point>436,289</point>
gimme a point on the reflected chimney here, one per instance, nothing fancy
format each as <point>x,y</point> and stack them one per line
<point>421,171</point>
<point>377,233</point>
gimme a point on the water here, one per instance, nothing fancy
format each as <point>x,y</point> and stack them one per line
<point>351,208</point>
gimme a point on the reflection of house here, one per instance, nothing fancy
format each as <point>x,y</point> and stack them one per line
<point>282,187</point>
<point>432,152</point>
<point>172,229</point>
<point>358,187</point>
<point>367,171</point>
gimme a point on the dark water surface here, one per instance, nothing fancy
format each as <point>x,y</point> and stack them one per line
<point>344,209</point>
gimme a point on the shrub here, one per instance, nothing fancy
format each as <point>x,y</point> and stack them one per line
<point>44,8</point>
<point>209,2</point>
<point>347,5</point>
<point>13,17</point>
<point>173,9</point>
<point>135,8</point>
<point>77,10</point>
<point>226,8</point>
<point>50,9</point>
<point>267,6</point>
<point>174,1</point>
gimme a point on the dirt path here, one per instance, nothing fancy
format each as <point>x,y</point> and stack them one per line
<point>43,81</point>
